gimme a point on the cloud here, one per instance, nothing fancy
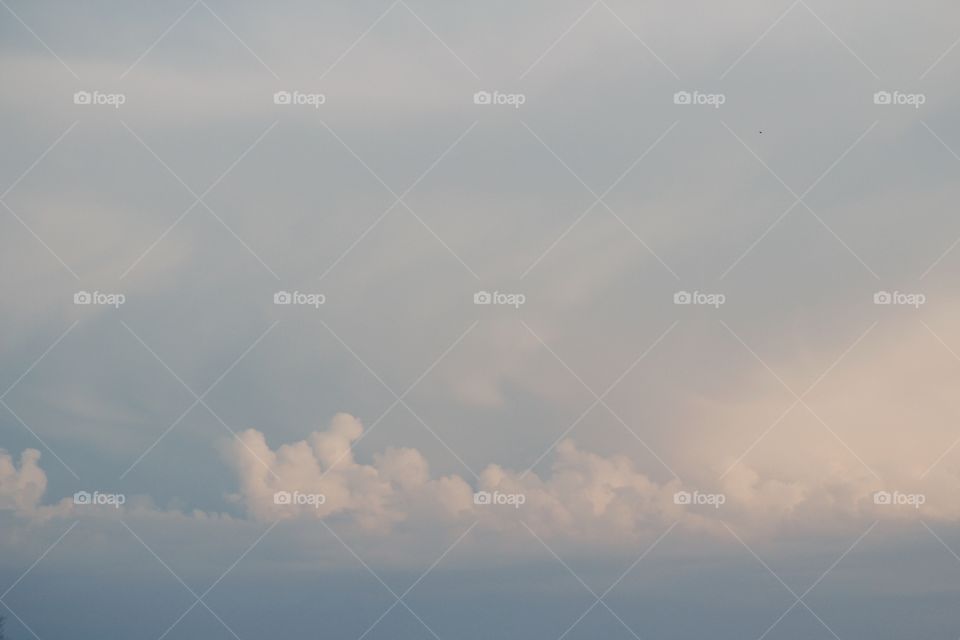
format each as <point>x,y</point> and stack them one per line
<point>811,472</point>
<point>374,496</point>
<point>586,497</point>
<point>21,489</point>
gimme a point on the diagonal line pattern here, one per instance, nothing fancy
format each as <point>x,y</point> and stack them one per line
<point>23,175</point>
<point>940,59</point>
<point>39,159</point>
<point>39,39</point>
<point>40,240</point>
<point>600,198</point>
<point>799,199</point>
<point>839,39</point>
<point>39,359</point>
<point>38,560</point>
<point>398,199</point>
<point>18,380</point>
<point>559,39</point>
<point>940,540</point>
<point>399,399</point>
<point>763,35</point>
<point>158,40</point>
<point>799,399</point>
<point>379,19</point>
<point>199,199</point>
<point>359,39</point>
<point>580,19</point>
<point>42,442</point>
<point>398,599</point>
<point>799,599</point>
<point>20,620</point>
<point>779,20</point>
<point>438,39</point>
<point>27,572</point>
<point>599,599</point>
<point>639,39</point>
<point>199,599</point>
<point>599,399</point>
<point>179,19</point>
<point>199,399</point>
<point>239,39</point>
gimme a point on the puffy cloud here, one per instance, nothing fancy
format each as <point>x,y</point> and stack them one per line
<point>321,478</point>
<point>586,497</point>
<point>816,470</point>
<point>21,489</point>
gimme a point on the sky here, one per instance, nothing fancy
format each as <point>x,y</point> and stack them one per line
<point>410,319</point>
